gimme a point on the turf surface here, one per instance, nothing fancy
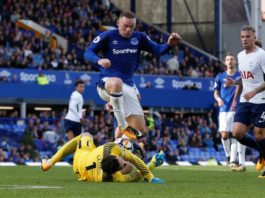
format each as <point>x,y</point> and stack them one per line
<point>195,181</point>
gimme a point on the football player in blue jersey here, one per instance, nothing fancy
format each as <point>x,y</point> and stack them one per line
<point>227,101</point>
<point>120,58</point>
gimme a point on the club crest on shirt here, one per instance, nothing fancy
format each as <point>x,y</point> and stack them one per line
<point>96,40</point>
<point>134,41</point>
<point>114,42</point>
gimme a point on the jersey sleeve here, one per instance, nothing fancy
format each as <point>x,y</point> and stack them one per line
<point>136,161</point>
<point>98,44</point>
<point>217,83</point>
<point>151,46</point>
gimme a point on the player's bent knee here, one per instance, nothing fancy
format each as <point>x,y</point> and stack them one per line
<point>113,85</point>
<point>238,134</point>
<point>70,135</point>
<point>224,135</point>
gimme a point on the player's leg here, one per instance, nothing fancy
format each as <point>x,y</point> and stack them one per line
<point>113,86</point>
<point>133,110</point>
<point>70,135</point>
<point>259,131</point>
<point>112,91</point>
<point>138,122</point>
<point>233,153</point>
<point>241,150</point>
<point>72,129</point>
<point>242,121</point>
<point>233,142</point>
<point>223,128</point>
<point>226,144</point>
<point>65,150</point>
<point>240,133</point>
<point>260,137</point>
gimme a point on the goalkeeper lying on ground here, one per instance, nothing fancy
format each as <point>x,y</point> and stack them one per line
<point>108,162</point>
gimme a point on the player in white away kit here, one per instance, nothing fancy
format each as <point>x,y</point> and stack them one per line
<point>74,118</point>
<point>225,96</point>
<point>251,109</point>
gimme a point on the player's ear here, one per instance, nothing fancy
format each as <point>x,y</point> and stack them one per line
<point>118,22</point>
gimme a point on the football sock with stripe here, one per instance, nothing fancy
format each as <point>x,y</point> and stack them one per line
<point>226,145</point>
<point>249,141</point>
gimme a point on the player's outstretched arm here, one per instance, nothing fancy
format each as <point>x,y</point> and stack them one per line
<point>139,164</point>
<point>159,49</point>
<point>97,45</point>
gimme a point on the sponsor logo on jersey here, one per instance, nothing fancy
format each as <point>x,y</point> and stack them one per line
<point>96,40</point>
<point>134,41</point>
<point>246,75</point>
<point>124,51</point>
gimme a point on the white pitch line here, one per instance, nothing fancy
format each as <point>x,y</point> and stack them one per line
<point>27,187</point>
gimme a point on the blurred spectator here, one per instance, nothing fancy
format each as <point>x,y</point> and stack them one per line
<point>50,137</point>
<point>173,64</point>
<point>42,79</point>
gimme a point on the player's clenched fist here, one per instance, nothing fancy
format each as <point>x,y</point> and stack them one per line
<point>104,62</point>
<point>173,39</point>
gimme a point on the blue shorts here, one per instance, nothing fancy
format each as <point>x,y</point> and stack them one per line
<point>75,127</point>
<point>249,113</point>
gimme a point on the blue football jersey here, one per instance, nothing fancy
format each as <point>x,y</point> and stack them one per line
<point>124,53</point>
<point>226,93</point>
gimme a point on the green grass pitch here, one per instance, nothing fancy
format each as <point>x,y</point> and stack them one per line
<point>195,181</point>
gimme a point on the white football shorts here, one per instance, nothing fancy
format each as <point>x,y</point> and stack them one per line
<point>226,120</point>
<point>131,106</point>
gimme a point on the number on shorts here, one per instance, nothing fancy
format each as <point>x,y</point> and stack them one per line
<point>263,115</point>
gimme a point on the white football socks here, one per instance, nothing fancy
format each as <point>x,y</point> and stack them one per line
<point>233,153</point>
<point>117,102</point>
<point>241,149</point>
<point>226,145</point>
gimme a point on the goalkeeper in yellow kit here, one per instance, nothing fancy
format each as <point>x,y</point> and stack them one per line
<point>108,162</point>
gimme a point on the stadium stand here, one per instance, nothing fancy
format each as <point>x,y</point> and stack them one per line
<point>79,25</point>
<point>183,137</point>
<point>187,137</point>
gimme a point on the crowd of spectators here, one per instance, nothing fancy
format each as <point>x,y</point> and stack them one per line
<point>173,133</point>
<point>79,22</point>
